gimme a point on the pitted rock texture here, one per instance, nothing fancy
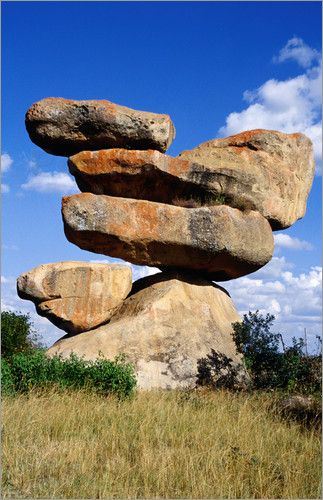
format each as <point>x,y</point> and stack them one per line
<point>65,127</point>
<point>76,296</point>
<point>266,170</point>
<point>220,242</point>
<point>168,323</point>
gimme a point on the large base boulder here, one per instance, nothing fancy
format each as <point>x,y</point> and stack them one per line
<point>167,324</point>
<point>76,296</point>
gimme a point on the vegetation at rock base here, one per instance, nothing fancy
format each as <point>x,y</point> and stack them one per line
<point>17,334</point>
<point>25,366</point>
<point>270,368</point>
<point>267,366</point>
<point>158,444</point>
<point>67,433</point>
<point>26,372</point>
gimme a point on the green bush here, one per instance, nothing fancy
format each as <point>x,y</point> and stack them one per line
<point>218,371</point>
<point>37,371</point>
<point>17,334</point>
<point>7,384</point>
<point>270,368</point>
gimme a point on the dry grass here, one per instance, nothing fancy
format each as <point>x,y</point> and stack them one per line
<point>159,444</point>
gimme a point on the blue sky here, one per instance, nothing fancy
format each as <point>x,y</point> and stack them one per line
<point>216,67</point>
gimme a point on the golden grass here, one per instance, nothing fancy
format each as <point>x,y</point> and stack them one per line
<point>158,444</point>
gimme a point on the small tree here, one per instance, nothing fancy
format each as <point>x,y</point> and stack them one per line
<point>260,348</point>
<point>267,366</point>
<point>17,334</point>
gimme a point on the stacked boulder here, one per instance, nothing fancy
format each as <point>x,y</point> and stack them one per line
<point>205,215</point>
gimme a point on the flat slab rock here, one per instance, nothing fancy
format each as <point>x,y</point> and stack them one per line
<point>76,296</point>
<point>261,170</point>
<point>220,242</point>
<point>64,127</point>
<point>268,171</point>
<point>164,327</point>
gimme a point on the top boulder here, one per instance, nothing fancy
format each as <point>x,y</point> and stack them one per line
<point>65,127</point>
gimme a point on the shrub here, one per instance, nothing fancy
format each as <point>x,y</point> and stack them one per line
<point>200,200</point>
<point>267,366</point>
<point>301,373</point>
<point>7,384</point>
<point>218,371</point>
<point>259,347</point>
<point>17,334</point>
<point>37,371</point>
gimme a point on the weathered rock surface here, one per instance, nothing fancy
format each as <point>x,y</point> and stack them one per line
<point>265,170</point>
<point>147,175</point>
<point>65,127</point>
<point>220,241</point>
<point>167,323</point>
<point>76,296</point>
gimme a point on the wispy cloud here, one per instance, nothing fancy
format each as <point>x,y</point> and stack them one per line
<point>286,241</point>
<point>9,247</point>
<point>292,105</point>
<point>32,164</point>
<point>6,162</point>
<point>5,188</point>
<point>49,182</point>
<point>297,50</point>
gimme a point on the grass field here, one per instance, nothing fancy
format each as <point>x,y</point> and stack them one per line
<point>157,444</point>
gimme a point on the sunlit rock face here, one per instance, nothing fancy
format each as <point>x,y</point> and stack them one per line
<point>266,170</point>
<point>76,296</point>
<point>220,242</point>
<point>261,170</point>
<point>168,322</point>
<point>64,127</point>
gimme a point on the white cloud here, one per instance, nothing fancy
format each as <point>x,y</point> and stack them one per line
<point>142,271</point>
<point>5,188</point>
<point>286,241</point>
<point>48,182</point>
<point>6,162</point>
<point>292,105</point>
<point>32,164</point>
<point>294,299</point>
<point>274,268</point>
<point>298,51</point>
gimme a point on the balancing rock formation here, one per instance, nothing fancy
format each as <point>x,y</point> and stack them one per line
<point>205,215</point>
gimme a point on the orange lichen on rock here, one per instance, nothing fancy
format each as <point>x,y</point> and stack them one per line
<point>64,127</point>
<point>220,242</point>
